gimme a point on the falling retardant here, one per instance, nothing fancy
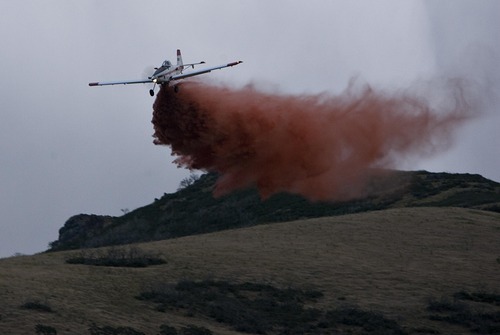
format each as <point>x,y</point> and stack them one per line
<point>324,147</point>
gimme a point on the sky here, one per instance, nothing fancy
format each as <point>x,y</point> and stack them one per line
<point>67,148</point>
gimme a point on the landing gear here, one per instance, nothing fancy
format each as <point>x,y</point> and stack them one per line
<point>176,88</point>
<point>152,91</point>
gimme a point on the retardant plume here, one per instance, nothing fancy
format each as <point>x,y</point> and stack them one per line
<point>323,147</point>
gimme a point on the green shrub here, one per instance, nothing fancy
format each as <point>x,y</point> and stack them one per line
<point>45,330</point>
<point>37,305</point>
<point>108,330</point>
<point>446,305</point>
<point>167,330</point>
<point>194,330</point>
<point>116,256</point>
<point>459,313</point>
<point>370,322</point>
<point>260,308</point>
<point>489,298</point>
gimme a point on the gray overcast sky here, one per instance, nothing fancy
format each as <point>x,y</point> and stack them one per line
<point>66,148</point>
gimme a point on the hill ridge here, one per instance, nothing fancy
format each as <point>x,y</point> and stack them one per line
<point>193,210</point>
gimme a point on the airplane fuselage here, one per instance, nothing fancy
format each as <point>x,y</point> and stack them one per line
<point>165,72</point>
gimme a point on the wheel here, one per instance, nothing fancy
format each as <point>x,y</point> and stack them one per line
<point>151,93</point>
<point>176,88</point>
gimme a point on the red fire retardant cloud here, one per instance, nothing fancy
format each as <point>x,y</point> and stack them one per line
<point>323,147</point>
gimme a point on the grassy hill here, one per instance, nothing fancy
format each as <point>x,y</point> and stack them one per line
<point>398,271</point>
<point>193,210</point>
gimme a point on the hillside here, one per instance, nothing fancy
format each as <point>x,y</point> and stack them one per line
<point>193,210</point>
<point>398,271</point>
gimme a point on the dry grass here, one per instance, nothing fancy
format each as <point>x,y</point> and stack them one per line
<point>389,261</point>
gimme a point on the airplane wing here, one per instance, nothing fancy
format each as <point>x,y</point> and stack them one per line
<point>202,71</point>
<point>104,83</point>
<point>165,80</point>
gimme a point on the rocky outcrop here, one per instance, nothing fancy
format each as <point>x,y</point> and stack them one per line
<point>79,230</point>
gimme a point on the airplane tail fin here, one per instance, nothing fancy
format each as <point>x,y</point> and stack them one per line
<point>179,60</point>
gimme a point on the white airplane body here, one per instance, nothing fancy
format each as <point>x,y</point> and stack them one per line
<point>167,73</point>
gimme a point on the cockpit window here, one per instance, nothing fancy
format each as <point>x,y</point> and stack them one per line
<point>167,63</point>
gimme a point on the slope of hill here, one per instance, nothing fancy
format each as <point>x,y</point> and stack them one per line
<point>398,271</point>
<point>193,210</point>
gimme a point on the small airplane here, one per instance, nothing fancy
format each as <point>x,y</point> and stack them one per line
<point>166,73</point>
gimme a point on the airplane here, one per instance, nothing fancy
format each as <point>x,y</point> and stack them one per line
<point>166,73</point>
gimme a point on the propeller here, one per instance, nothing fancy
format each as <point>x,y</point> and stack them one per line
<point>148,71</point>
